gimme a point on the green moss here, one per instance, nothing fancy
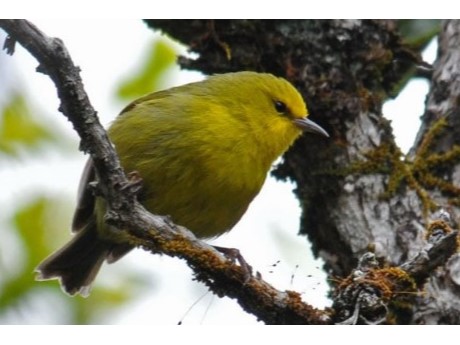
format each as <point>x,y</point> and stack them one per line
<point>420,175</point>
<point>393,286</point>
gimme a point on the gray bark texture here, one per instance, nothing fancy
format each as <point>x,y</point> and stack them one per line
<point>374,215</point>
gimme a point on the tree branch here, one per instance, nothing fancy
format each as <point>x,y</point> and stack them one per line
<point>375,293</point>
<point>153,233</point>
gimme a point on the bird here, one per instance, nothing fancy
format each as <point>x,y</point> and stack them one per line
<point>203,151</point>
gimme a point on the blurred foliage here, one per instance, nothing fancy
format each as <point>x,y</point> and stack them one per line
<point>419,32</point>
<point>32,222</point>
<point>160,59</point>
<point>19,130</point>
<point>40,226</point>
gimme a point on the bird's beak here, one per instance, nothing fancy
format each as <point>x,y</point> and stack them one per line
<point>310,126</point>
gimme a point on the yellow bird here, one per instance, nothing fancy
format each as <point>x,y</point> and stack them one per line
<point>203,151</point>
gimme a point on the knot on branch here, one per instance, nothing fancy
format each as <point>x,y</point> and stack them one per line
<point>371,294</point>
<point>442,223</point>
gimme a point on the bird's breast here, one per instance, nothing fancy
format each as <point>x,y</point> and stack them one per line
<point>207,192</point>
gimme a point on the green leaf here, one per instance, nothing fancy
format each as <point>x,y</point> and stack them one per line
<point>19,130</point>
<point>149,77</point>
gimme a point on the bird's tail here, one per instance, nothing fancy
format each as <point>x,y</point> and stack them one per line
<point>78,262</point>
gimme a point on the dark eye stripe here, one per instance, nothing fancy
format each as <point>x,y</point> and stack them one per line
<point>280,106</point>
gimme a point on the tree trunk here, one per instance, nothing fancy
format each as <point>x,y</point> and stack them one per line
<point>358,192</point>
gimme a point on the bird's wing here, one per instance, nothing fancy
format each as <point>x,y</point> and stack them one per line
<point>86,200</point>
<point>154,96</point>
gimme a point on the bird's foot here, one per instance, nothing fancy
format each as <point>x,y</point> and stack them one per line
<point>235,256</point>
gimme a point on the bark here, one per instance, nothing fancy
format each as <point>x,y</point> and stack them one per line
<point>383,222</point>
<point>358,191</point>
<point>441,302</point>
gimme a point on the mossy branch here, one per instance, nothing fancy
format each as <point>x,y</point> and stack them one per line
<point>376,293</point>
<point>153,233</point>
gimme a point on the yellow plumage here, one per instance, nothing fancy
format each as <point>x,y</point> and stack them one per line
<point>203,151</point>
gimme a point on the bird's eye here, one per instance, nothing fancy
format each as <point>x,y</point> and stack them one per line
<point>280,106</point>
